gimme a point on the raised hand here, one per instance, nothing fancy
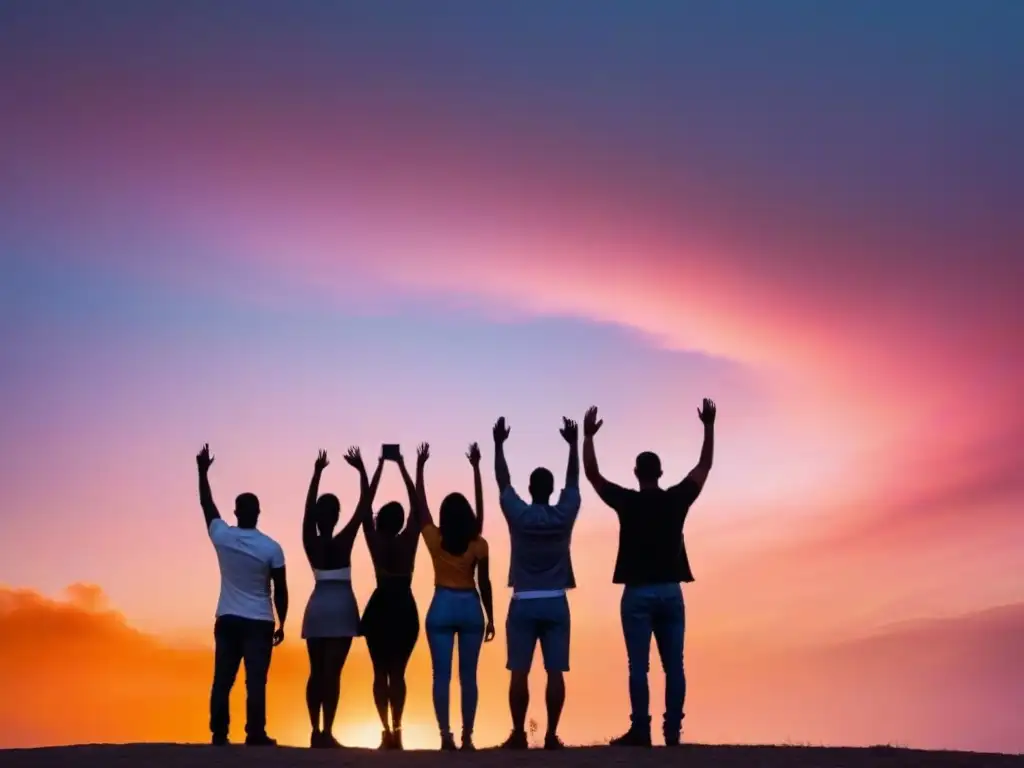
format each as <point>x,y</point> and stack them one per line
<point>570,431</point>
<point>473,454</point>
<point>707,412</point>
<point>422,454</point>
<point>204,459</point>
<point>501,431</point>
<point>321,461</point>
<point>353,457</point>
<point>591,423</point>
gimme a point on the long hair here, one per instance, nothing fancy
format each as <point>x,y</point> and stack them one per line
<point>390,520</point>
<point>457,524</point>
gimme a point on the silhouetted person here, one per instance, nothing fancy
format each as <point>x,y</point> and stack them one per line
<point>651,564</point>
<point>461,562</point>
<point>391,623</point>
<point>539,574</point>
<point>244,630</point>
<point>331,619</point>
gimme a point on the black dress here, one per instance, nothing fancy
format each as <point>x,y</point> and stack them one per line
<point>390,621</point>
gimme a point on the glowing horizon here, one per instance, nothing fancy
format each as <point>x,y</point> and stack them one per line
<point>277,232</point>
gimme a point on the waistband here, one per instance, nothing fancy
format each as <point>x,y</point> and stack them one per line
<point>538,594</point>
<point>456,590</point>
<point>333,574</point>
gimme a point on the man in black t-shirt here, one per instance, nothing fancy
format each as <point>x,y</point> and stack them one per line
<point>651,564</point>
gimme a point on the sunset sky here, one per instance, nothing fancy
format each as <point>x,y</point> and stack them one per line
<point>279,227</point>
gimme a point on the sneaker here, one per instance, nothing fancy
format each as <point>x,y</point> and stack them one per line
<point>220,741</point>
<point>467,742</point>
<point>551,741</point>
<point>386,741</point>
<point>260,741</point>
<point>673,740</point>
<point>448,743</point>
<point>632,738</point>
<point>516,740</point>
<point>396,739</point>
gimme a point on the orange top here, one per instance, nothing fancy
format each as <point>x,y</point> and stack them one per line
<point>454,571</point>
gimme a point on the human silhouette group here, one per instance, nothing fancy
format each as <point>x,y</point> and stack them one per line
<point>651,564</point>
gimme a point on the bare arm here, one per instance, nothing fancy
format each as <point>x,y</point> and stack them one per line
<point>570,432</point>
<point>309,514</point>
<point>699,474</point>
<point>483,578</point>
<point>203,462</point>
<point>418,491</point>
<point>280,582</point>
<point>501,473</point>
<point>478,486</point>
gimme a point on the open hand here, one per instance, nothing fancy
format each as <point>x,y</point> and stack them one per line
<point>501,431</point>
<point>278,635</point>
<point>489,632</point>
<point>473,454</point>
<point>590,422</point>
<point>354,457</point>
<point>570,431</point>
<point>707,412</point>
<point>204,459</point>
<point>422,454</point>
<point>321,461</point>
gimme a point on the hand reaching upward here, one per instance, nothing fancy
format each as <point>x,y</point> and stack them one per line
<point>501,431</point>
<point>708,412</point>
<point>590,422</point>
<point>570,431</point>
<point>204,458</point>
<point>473,454</point>
<point>354,457</point>
<point>321,461</point>
<point>422,454</point>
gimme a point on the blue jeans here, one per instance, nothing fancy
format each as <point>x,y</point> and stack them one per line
<point>655,609</point>
<point>455,612</point>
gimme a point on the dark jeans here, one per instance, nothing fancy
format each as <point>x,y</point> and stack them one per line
<point>655,609</point>
<point>238,640</point>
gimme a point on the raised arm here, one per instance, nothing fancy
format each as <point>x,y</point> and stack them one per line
<point>699,474</point>
<point>501,432</point>
<point>571,433</point>
<point>591,425</point>
<point>419,512</point>
<point>309,515</point>
<point>203,463</point>
<point>367,492</point>
<point>478,486</point>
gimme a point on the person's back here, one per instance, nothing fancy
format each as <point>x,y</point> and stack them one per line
<point>246,557</point>
<point>541,541</point>
<point>651,564</point>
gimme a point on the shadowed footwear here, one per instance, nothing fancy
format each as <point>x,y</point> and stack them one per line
<point>260,741</point>
<point>220,741</point>
<point>316,740</point>
<point>632,738</point>
<point>673,740</point>
<point>329,742</point>
<point>448,743</point>
<point>516,740</point>
<point>467,742</point>
<point>385,740</point>
<point>396,740</point>
<point>551,741</point>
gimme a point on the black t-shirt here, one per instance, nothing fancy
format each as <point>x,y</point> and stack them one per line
<point>651,546</point>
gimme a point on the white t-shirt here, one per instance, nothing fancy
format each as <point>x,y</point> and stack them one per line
<point>246,557</point>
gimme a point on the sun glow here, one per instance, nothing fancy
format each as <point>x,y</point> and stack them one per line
<point>366,735</point>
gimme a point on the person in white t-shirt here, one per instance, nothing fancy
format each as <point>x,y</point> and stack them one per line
<point>250,561</point>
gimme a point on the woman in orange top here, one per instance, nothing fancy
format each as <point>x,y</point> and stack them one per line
<point>460,558</point>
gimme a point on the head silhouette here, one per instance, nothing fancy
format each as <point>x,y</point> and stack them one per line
<point>390,520</point>
<point>458,524</point>
<point>647,469</point>
<point>328,508</point>
<point>542,485</point>
<point>247,510</point>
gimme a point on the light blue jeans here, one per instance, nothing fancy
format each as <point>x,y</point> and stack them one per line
<point>455,612</point>
<point>655,609</point>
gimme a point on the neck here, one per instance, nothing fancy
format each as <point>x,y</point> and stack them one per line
<point>648,485</point>
<point>540,499</point>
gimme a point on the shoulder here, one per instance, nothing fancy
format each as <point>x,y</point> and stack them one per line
<point>271,549</point>
<point>480,547</point>
<point>431,534</point>
<point>220,531</point>
<point>510,499</point>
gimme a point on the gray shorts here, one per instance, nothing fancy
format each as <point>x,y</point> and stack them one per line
<point>545,619</point>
